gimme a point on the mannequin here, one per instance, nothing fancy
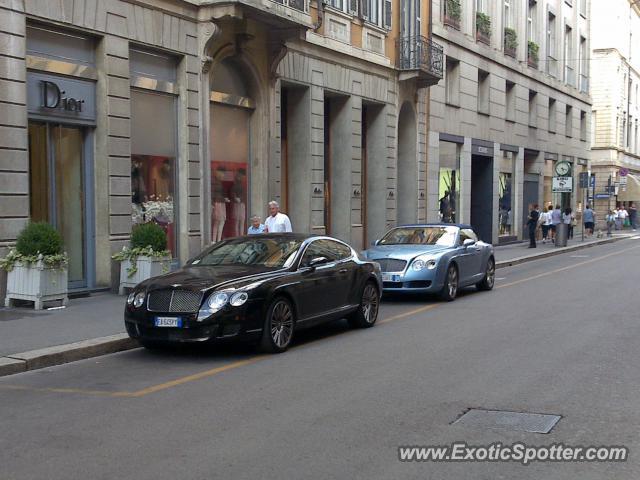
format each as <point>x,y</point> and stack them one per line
<point>238,196</point>
<point>219,205</point>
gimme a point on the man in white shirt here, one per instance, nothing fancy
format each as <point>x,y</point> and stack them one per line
<point>276,221</point>
<point>621,216</point>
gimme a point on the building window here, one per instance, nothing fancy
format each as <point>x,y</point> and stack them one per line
<point>568,122</point>
<point>372,11</point>
<point>533,109</point>
<point>339,5</point>
<point>153,161</point>
<point>569,75</point>
<point>583,125</point>
<point>510,92</point>
<point>551,68</point>
<point>481,6</point>
<point>508,20</point>
<point>484,88</point>
<point>552,116</point>
<point>583,65</point>
<point>531,20</point>
<point>449,182</point>
<point>583,8</point>
<point>452,79</point>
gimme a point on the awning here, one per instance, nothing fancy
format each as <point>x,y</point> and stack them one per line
<point>632,193</point>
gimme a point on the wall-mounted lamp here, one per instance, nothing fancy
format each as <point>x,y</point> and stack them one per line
<point>356,193</point>
<point>421,194</point>
<point>317,191</point>
<point>391,195</point>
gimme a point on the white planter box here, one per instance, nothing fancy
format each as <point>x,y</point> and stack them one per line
<point>36,283</point>
<point>147,267</point>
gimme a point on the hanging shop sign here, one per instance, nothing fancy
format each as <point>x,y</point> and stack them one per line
<point>562,185</point>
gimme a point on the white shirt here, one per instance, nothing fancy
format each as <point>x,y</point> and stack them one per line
<point>545,217</point>
<point>278,223</point>
<point>622,213</point>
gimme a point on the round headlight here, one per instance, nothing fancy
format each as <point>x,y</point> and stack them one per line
<point>419,265</point>
<point>138,300</point>
<point>130,298</point>
<point>239,298</point>
<point>431,264</point>
<point>218,300</point>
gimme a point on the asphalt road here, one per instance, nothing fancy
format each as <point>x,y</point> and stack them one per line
<point>557,336</point>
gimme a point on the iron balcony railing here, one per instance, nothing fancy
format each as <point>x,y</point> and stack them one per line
<point>302,5</point>
<point>421,53</point>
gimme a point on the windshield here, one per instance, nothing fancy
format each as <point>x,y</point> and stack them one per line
<point>444,236</point>
<point>265,252</point>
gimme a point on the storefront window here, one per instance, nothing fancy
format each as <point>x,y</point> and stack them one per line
<point>449,182</point>
<point>505,192</point>
<point>153,161</point>
<point>230,115</point>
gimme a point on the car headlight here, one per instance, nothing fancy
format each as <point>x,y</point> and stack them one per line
<point>138,300</point>
<point>239,298</point>
<point>131,297</point>
<point>217,301</point>
<point>424,263</point>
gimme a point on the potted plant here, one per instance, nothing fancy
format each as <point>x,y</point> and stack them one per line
<point>37,267</point>
<point>510,41</point>
<point>452,13</point>
<point>146,257</point>
<point>532,54</point>
<point>483,28</point>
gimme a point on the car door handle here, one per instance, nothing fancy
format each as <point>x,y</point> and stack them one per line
<point>342,271</point>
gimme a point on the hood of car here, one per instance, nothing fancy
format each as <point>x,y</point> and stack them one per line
<point>207,277</point>
<point>404,252</point>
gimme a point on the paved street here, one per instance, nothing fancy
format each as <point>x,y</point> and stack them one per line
<point>558,336</point>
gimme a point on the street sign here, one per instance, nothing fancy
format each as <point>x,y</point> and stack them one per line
<point>562,185</point>
<point>623,172</point>
<point>584,179</point>
<point>623,181</point>
<point>602,195</point>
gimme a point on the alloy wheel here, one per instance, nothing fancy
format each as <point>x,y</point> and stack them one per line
<point>491,273</point>
<point>452,281</point>
<point>370,303</point>
<point>281,324</point>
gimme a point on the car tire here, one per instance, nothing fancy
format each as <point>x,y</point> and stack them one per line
<point>451,282</point>
<point>279,326</point>
<point>367,313</point>
<point>489,278</point>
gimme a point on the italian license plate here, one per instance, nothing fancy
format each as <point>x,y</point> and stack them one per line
<point>388,277</point>
<point>175,322</point>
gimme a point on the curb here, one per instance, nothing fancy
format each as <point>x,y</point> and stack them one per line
<point>71,352</point>
<point>559,251</point>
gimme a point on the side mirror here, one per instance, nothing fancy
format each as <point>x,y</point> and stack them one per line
<point>375,243</point>
<point>468,242</point>
<point>318,261</point>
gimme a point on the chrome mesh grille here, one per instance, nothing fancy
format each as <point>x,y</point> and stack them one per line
<point>391,264</point>
<point>178,301</point>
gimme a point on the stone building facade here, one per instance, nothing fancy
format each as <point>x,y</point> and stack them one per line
<point>194,114</point>
<point>513,105</point>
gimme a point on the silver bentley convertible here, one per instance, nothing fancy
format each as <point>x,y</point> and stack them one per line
<point>433,258</point>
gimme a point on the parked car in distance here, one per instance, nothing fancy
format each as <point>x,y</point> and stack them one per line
<point>260,288</point>
<point>433,258</point>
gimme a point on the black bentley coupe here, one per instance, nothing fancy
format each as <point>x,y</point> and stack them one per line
<point>259,288</point>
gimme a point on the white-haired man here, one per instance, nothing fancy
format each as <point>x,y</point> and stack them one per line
<point>276,221</point>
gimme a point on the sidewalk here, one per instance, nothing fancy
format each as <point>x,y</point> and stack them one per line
<point>94,326</point>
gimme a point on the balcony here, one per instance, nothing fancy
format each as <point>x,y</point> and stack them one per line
<point>277,13</point>
<point>421,59</point>
<point>452,22</point>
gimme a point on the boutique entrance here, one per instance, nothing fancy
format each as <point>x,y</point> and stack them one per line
<point>58,190</point>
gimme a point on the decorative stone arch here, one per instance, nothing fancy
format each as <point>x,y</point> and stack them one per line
<point>407,176</point>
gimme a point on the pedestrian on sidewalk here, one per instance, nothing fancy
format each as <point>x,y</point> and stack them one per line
<point>545,223</point>
<point>532,223</point>
<point>611,220</point>
<point>556,219</point>
<point>276,221</point>
<point>633,215</point>
<point>589,219</point>
<point>621,216</point>
<point>567,218</point>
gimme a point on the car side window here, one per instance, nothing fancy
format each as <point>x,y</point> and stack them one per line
<point>319,248</point>
<point>463,236</point>
<point>341,250</point>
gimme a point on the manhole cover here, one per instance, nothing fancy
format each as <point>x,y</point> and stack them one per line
<point>516,421</point>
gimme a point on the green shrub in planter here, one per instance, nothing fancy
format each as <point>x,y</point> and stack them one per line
<point>510,38</point>
<point>149,235</point>
<point>483,23</point>
<point>37,241</point>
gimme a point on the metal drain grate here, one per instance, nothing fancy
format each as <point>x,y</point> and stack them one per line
<point>515,421</point>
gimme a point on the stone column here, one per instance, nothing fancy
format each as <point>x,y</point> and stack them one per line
<point>464,208</point>
<point>518,193</point>
<point>433,177</point>
<point>340,170</point>
<point>496,193</point>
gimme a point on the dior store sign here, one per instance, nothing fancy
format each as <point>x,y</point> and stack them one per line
<point>57,97</point>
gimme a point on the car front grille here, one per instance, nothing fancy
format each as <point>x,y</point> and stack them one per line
<point>391,264</point>
<point>175,301</point>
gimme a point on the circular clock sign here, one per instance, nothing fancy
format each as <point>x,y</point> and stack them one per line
<point>563,168</point>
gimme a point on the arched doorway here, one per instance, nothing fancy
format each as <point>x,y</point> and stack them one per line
<point>407,190</point>
<point>231,109</point>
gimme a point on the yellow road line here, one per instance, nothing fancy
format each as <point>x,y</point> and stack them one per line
<point>249,361</point>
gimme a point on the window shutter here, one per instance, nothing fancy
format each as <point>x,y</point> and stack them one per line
<point>387,14</point>
<point>353,7</point>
